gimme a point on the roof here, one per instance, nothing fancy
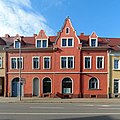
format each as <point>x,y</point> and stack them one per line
<point>2,42</point>
<point>29,42</point>
<point>104,42</point>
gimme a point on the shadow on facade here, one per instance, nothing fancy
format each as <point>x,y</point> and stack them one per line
<point>88,118</point>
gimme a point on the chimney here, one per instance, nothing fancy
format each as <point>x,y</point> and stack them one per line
<point>7,35</point>
<point>82,34</point>
<point>35,35</point>
<point>58,33</point>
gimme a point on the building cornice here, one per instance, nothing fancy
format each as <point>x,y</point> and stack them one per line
<point>49,49</point>
<point>58,72</point>
<point>94,48</point>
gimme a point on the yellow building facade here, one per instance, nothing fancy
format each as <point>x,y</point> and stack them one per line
<point>114,74</point>
<point>3,73</point>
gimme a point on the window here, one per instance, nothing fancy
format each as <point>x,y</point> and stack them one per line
<point>67,30</point>
<point>13,63</point>
<point>93,42</point>
<point>87,62</point>
<point>47,85</point>
<point>63,62</point>
<point>44,43</point>
<point>41,43</point>
<point>16,44</point>
<point>64,42</point>
<point>1,62</point>
<point>35,62</point>
<point>70,42</point>
<point>93,83</point>
<point>16,63</point>
<point>67,62</point>
<point>66,86</point>
<point>100,62</point>
<point>116,64</point>
<point>116,86</point>
<point>46,62</point>
<point>67,42</point>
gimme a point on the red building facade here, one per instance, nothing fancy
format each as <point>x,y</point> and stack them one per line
<point>65,65</point>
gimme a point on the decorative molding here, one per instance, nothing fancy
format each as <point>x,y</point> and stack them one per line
<point>58,72</point>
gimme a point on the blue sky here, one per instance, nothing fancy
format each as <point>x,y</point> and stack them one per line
<point>101,16</point>
<point>27,17</point>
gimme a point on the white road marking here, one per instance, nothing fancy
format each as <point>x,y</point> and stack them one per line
<point>98,105</point>
<point>59,113</point>
<point>105,105</point>
<point>109,108</point>
<point>87,105</point>
<point>47,107</point>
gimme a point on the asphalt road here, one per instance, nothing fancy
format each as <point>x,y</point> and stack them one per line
<point>59,111</point>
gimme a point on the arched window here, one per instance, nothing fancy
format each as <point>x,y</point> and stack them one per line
<point>67,30</point>
<point>46,85</point>
<point>66,86</point>
<point>93,83</point>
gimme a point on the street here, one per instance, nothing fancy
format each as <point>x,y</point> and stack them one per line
<point>59,111</point>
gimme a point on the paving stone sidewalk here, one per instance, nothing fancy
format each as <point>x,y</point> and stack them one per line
<point>57,100</point>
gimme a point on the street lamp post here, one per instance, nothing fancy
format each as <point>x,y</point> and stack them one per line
<point>20,65</point>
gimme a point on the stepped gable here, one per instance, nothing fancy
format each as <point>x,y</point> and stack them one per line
<point>71,31</point>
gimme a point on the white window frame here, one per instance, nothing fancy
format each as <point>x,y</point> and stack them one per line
<point>38,62</point>
<point>1,59</point>
<point>118,64</point>
<point>98,87</point>
<point>90,61</point>
<point>19,44</point>
<point>16,63</point>
<point>68,30</point>
<point>96,42</point>
<point>66,62</point>
<point>49,62</point>
<point>103,65</point>
<point>41,43</point>
<point>67,41</point>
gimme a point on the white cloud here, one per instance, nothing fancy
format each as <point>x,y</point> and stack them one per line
<point>18,16</point>
<point>52,3</point>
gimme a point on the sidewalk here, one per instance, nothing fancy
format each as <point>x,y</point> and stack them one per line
<point>58,100</point>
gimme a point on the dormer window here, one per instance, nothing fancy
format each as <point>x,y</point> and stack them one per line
<point>67,30</point>
<point>93,42</point>
<point>16,44</point>
<point>41,43</point>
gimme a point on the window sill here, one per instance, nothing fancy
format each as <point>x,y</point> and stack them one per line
<point>100,68</point>
<point>87,68</point>
<point>67,46</point>
<point>67,68</point>
<point>94,89</point>
<point>41,47</point>
<point>116,69</point>
<point>16,69</point>
<point>35,68</point>
<point>46,68</point>
<point>67,93</point>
